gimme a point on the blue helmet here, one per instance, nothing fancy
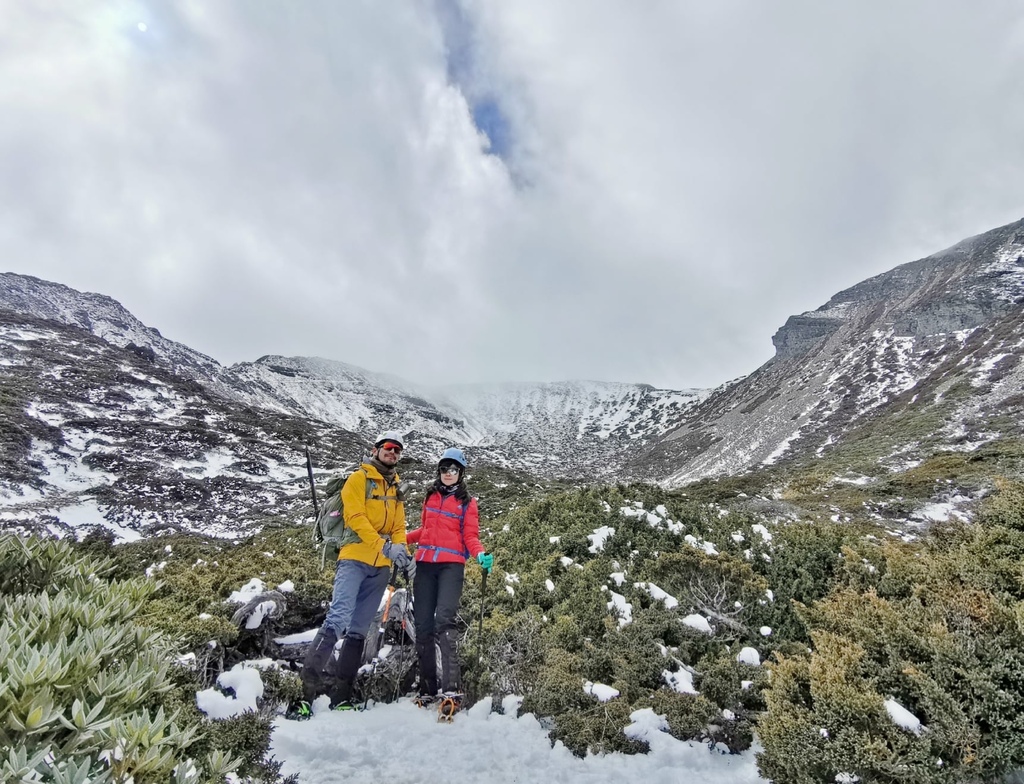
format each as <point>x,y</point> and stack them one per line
<point>454,454</point>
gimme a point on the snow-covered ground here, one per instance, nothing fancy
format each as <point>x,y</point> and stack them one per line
<point>403,744</point>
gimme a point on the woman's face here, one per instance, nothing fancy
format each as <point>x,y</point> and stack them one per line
<point>449,473</point>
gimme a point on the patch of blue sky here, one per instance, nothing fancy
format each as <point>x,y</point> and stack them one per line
<point>464,72</point>
<point>490,119</point>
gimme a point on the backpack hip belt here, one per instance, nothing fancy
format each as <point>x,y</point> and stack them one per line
<point>437,550</point>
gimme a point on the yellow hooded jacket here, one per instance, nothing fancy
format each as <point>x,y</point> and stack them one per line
<point>372,518</point>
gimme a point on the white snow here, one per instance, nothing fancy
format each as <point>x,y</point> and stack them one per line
<point>597,539</point>
<point>941,512</point>
<point>294,639</point>
<point>621,607</point>
<point>749,656</point>
<point>259,612</point>
<point>247,684</point>
<point>681,680</point>
<point>764,532</point>
<point>87,513</point>
<point>403,744</point>
<point>658,594</point>
<point>700,544</point>
<point>602,691</point>
<point>698,622</point>
<point>903,717</point>
<point>254,587</point>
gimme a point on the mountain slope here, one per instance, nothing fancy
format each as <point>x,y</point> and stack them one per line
<point>105,318</point>
<point>576,430</point>
<point>942,336</point>
<point>569,429</point>
<point>353,398</point>
<point>575,427</point>
<point>98,434</point>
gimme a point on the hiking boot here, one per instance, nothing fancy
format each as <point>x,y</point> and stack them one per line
<point>317,658</point>
<point>301,711</point>
<point>346,705</point>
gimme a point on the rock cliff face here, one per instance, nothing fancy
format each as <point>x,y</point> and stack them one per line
<point>951,322</point>
<point>802,333</point>
<point>971,284</point>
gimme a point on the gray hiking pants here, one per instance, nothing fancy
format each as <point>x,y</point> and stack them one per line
<point>358,588</point>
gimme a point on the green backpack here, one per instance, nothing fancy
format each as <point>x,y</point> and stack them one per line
<point>329,533</point>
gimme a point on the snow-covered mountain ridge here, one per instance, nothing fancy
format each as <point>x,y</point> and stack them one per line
<point>565,428</point>
<point>94,433</point>
<point>937,341</point>
<point>105,318</point>
<point>571,429</point>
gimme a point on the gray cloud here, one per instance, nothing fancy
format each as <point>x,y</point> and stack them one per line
<point>307,178</point>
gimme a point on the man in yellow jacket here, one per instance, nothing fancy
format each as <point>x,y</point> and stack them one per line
<point>373,540</point>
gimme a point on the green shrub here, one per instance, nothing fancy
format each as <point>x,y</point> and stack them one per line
<point>947,648</point>
<point>86,687</point>
<point>688,715</point>
<point>598,729</point>
<point>1006,508</point>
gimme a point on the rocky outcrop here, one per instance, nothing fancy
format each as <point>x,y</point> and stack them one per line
<point>973,283</point>
<point>802,333</point>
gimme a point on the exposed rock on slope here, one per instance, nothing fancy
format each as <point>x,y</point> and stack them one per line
<point>94,434</point>
<point>944,333</point>
<point>576,430</point>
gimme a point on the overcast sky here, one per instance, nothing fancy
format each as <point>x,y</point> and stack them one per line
<point>500,190</point>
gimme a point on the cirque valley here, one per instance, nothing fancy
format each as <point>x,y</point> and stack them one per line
<point>105,419</point>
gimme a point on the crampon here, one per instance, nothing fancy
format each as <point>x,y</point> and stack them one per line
<point>448,706</point>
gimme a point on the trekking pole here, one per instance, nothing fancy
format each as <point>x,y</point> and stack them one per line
<point>401,648</point>
<point>385,614</point>
<point>312,487</point>
<point>480,629</point>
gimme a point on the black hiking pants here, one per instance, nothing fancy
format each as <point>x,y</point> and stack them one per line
<point>437,589</point>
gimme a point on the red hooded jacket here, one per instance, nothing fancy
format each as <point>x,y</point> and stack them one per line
<point>449,532</point>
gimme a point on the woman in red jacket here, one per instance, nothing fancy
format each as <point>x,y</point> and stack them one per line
<point>449,534</point>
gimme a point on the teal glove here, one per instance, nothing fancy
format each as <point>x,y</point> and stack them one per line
<point>486,561</point>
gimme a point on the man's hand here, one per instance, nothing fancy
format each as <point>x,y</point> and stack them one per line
<point>397,554</point>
